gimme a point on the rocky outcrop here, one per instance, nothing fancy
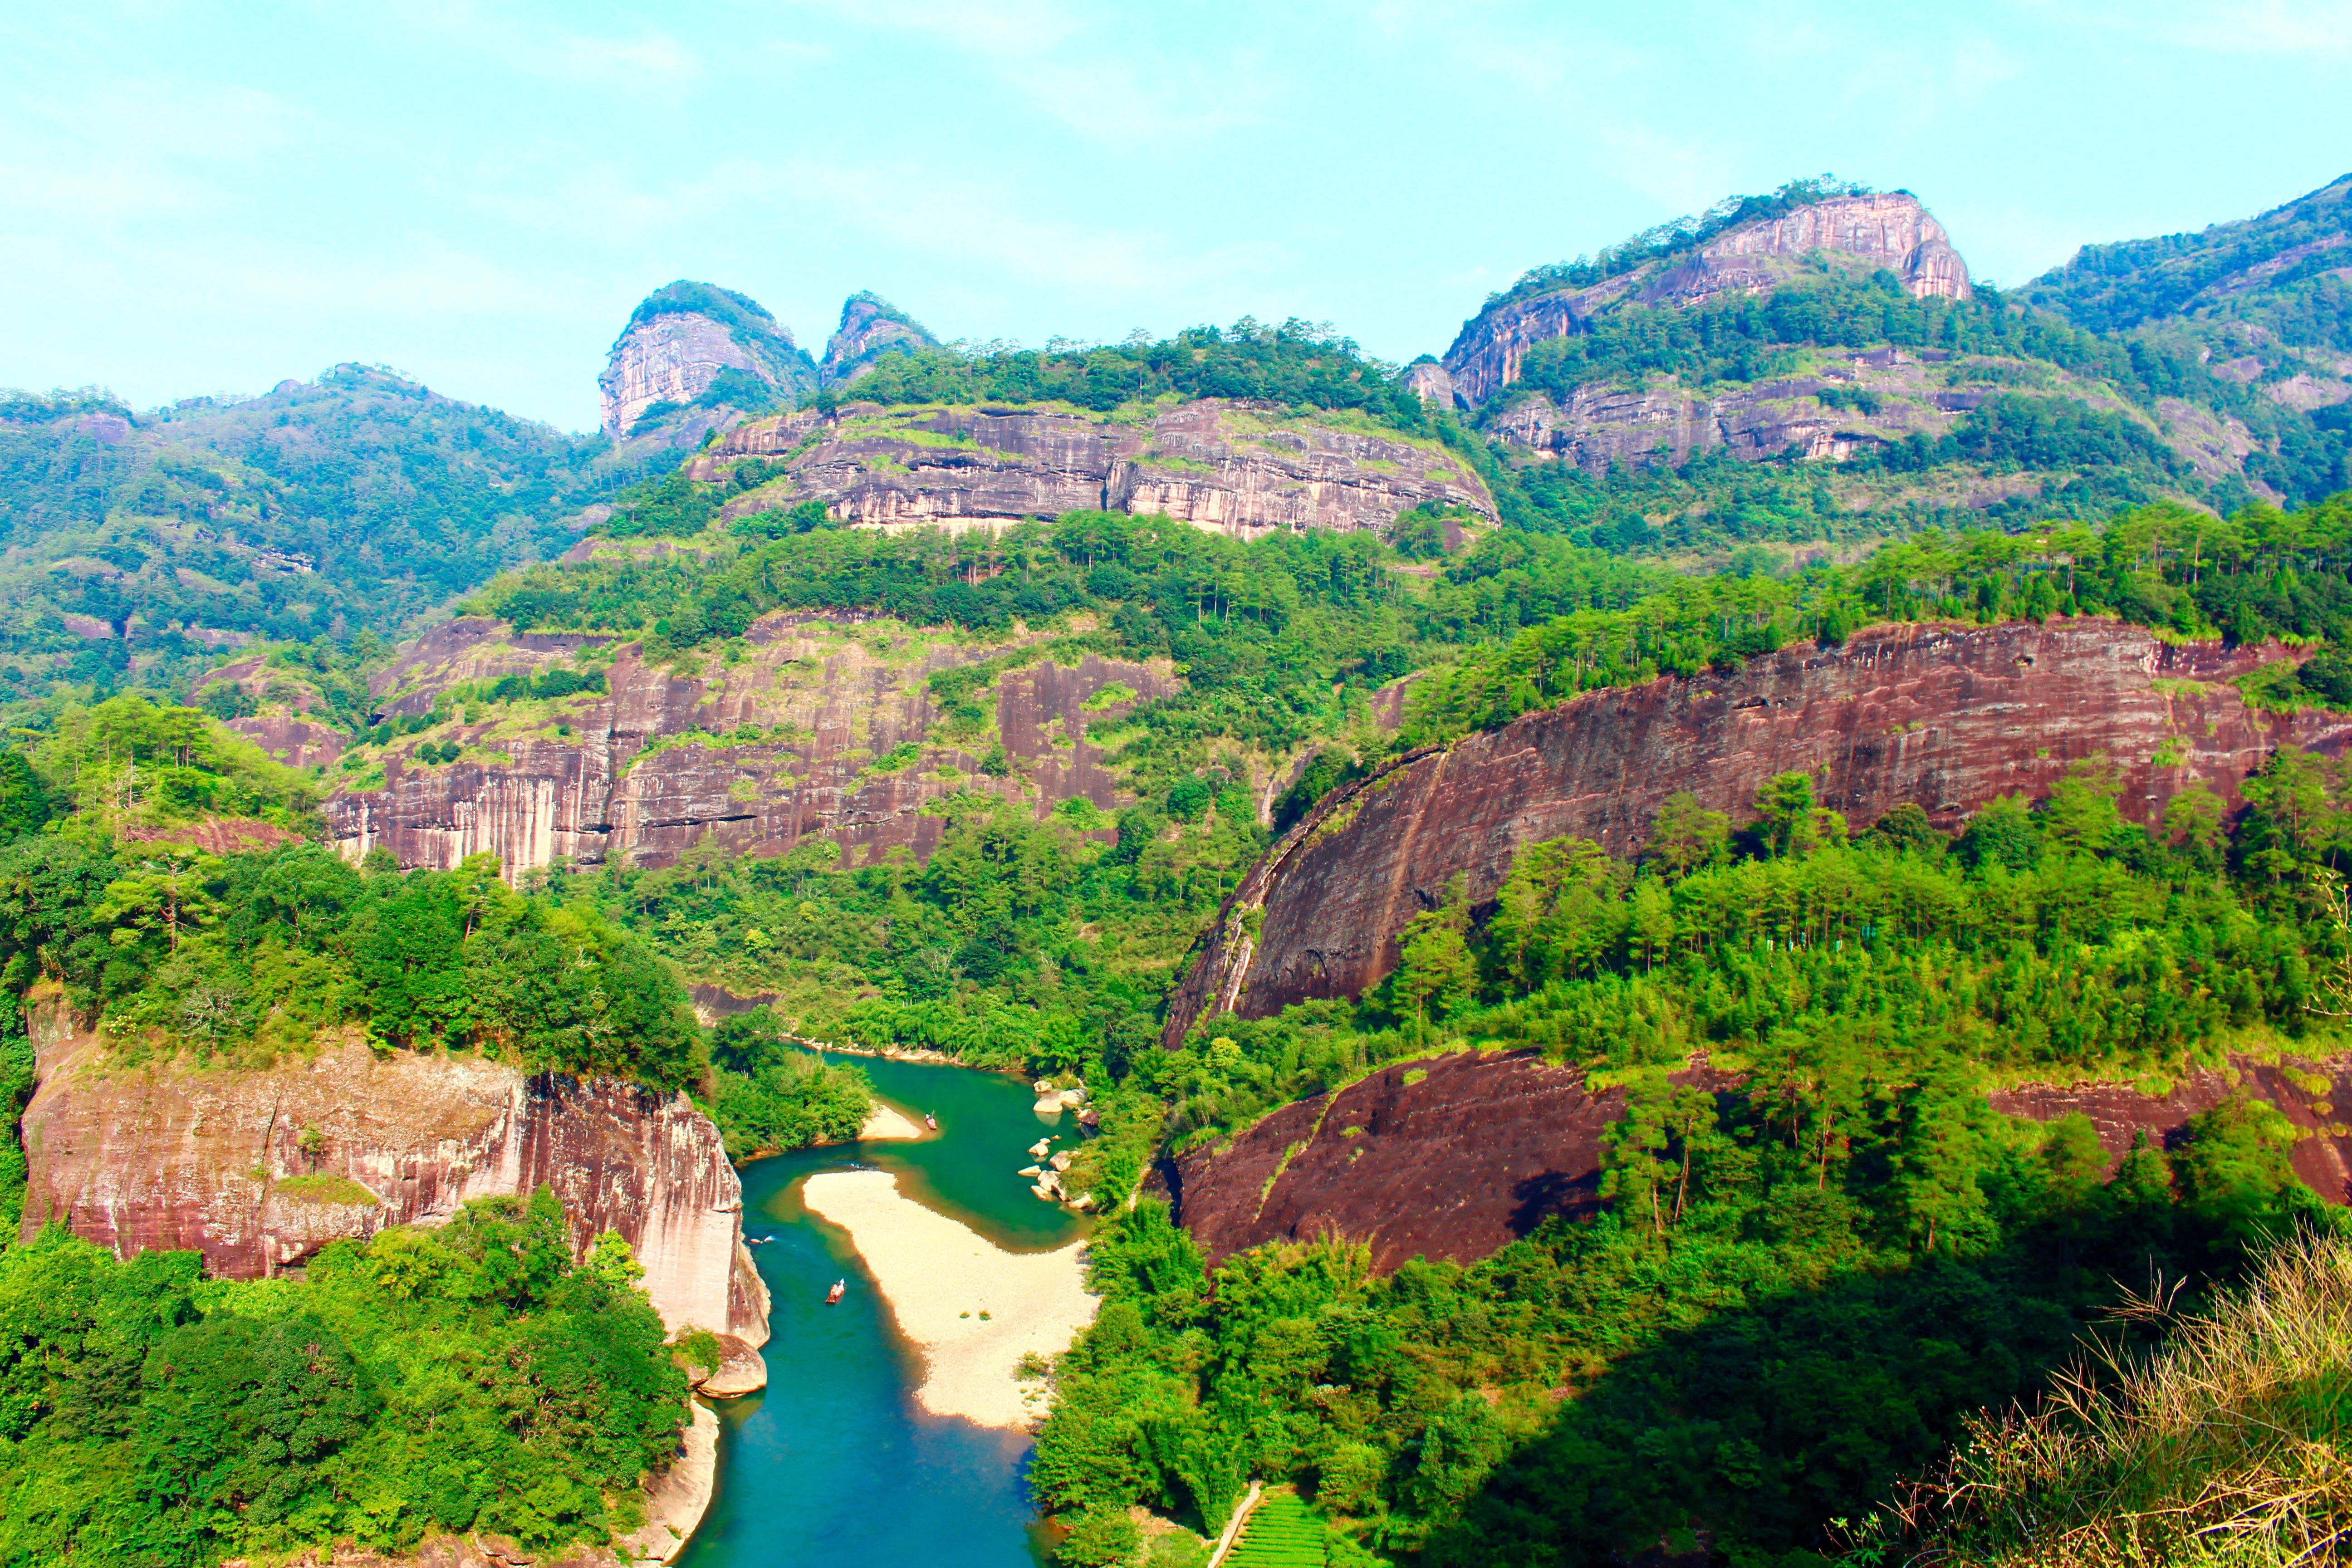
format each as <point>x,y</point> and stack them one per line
<point>1244,469</point>
<point>1946,716</point>
<point>804,735</point>
<point>260,1168</point>
<point>741,1370</point>
<point>1813,416</point>
<point>1849,405</point>
<point>1454,1157</point>
<point>870,327</point>
<point>1430,382</point>
<point>1865,233</point>
<point>1450,1157</point>
<point>679,344</point>
<point>2309,1097</point>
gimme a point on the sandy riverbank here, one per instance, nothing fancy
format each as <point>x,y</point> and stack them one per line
<point>938,1277</point>
<point>890,1121</point>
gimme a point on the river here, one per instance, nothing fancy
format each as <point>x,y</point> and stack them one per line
<point>835,1464</point>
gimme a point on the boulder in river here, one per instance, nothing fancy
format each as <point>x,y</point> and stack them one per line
<point>742,1370</point>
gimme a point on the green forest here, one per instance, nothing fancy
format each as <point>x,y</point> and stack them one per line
<point>468,1378</point>
<point>1823,1300</point>
<point>1832,1192</point>
<point>1820,1254</point>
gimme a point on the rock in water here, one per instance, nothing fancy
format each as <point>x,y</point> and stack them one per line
<point>741,1370</point>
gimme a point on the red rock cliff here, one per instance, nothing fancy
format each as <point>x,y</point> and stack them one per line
<point>795,740</point>
<point>1451,1157</point>
<point>1948,717</point>
<point>1456,1156</point>
<point>212,1160</point>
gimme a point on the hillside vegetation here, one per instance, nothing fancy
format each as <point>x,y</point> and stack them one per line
<point>2226,1446</point>
<point>336,508</point>
<point>2084,392</point>
<point>466,1379</point>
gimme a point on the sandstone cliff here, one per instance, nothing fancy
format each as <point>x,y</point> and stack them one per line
<point>870,327</point>
<point>1891,231</point>
<point>1946,716</point>
<point>679,344</point>
<point>163,1155</point>
<point>1246,470</point>
<point>1450,1157</point>
<point>1456,1156</point>
<point>801,736</point>
<point>1844,405</point>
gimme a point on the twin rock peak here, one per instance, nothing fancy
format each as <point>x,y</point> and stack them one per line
<point>695,357</point>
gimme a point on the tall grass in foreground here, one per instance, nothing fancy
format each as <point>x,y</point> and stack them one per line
<point>2226,1445</point>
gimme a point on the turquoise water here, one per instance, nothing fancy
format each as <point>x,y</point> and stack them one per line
<point>835,1464</point>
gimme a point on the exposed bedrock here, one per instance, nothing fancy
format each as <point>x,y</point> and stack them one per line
<point>678,344</point>
<point>1947,716</point>
<point>1241,468</point>
<point>1866,233</point>
<point>661,761</point>
<point>1454,1157</point>
<point>1864,402</point>
<point>214,1160</point>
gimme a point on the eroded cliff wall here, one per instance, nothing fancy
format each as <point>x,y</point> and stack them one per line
<point>1890,231</point>
<point>1455,1156</point>
<point>1448,1157</point>
<point>799,737</point>
<point>1245,470</point>
<point>1946,716</point>
<point>212,1160</point>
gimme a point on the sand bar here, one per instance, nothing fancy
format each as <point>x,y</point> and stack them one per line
<point>888,1122</point>
<point>933,1272</point>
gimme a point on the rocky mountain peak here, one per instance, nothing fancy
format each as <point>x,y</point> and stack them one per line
<point>870,327</point>
<point>699,352</point>
<point>1869,230</point>
<point>1889,228</point>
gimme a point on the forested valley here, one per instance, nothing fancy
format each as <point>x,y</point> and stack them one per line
<point>1825,1302</point>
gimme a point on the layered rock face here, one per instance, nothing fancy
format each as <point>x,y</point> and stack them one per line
<point>1849,405</point>
<point>798,739</point>
<point>1891,231</point>
<point>1448,1158</point>
<point>1946,716</point>
<point>212,1160</point>
<point>1237,468</point>
<point>1454,1157</point>
<point>678,344</point>
<point>870,327</point>
<point>287,726</point>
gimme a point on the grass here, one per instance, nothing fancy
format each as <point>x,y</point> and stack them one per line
<point>2229,1445</point>
<point>1282,1532</point>
<point>326,1190</point>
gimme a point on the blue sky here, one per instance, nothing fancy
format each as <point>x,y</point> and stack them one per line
<point>211,198</point>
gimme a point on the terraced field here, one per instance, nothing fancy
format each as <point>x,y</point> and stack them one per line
<point>1283,1532</point>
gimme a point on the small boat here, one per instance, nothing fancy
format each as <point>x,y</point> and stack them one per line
<point>930,1121</point>
<point>834,1296</point>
